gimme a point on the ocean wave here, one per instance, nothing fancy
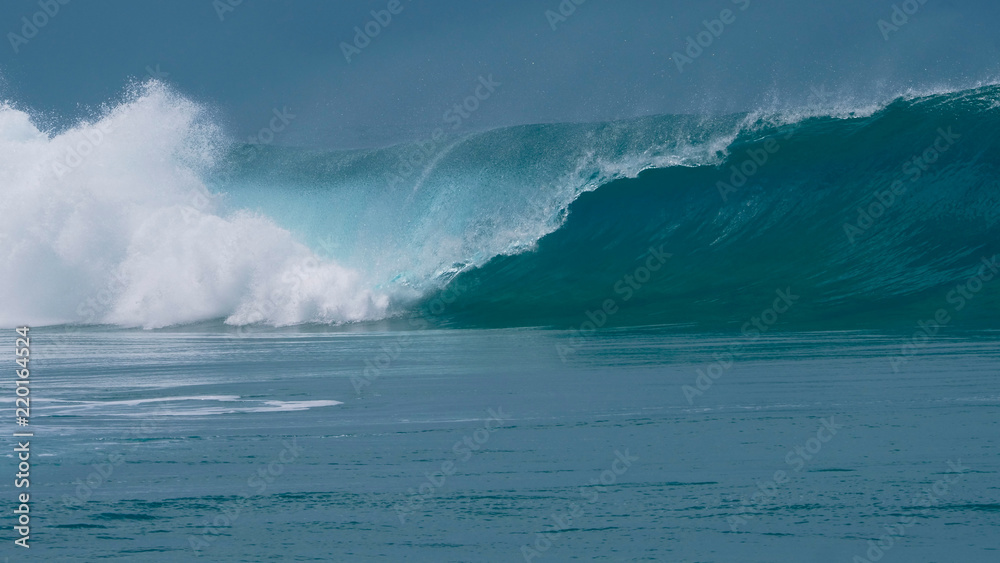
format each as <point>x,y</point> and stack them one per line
<point>149,216</point>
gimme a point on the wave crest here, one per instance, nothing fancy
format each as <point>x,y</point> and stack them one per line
<point>150,217</point>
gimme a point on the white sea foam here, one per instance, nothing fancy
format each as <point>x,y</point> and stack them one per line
<point>178,406</point>
<point>110,222</point>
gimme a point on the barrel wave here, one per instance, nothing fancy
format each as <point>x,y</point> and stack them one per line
<point>860,215</point>
<point>871,221</point>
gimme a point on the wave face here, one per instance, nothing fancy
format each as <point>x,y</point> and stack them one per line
<point>163,222</point>
<point>868,221</point>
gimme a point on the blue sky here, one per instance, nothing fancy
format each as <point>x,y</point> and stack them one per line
<point>604,60</point>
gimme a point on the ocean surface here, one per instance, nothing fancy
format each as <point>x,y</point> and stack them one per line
<point>765,336</point>
<point>151,444</point>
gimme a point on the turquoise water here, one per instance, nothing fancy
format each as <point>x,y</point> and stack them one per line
<point>235,445</point>
<point>873,214</point>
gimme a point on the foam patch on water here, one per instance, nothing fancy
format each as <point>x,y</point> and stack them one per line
<point>208,405</point>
